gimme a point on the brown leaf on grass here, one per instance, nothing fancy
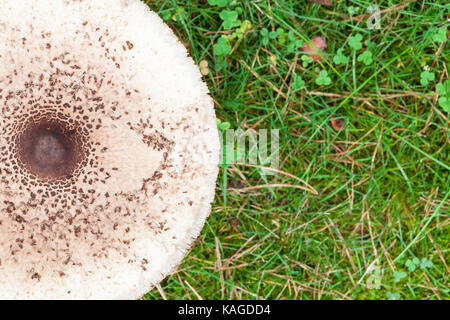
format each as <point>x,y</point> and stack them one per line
<point>328,3</point>
<point>204,67</point>
<point>317,44</point>
<point>337,124</point>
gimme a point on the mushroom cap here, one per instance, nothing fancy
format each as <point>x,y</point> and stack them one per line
<point>108,149</point>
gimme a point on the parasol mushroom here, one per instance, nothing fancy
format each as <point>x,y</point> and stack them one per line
<point>108,147</point>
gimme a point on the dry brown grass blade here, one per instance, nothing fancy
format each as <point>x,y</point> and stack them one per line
<point>287,174</point>
<point>274,185</point>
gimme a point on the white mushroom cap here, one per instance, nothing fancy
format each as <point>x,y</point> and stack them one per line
<point>108,149</point>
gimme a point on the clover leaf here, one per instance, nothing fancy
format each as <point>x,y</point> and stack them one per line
<point>426,77</point>
<point>230,19</point>
<point>306,60</point>
<point>291,35</point>
<point>425,263</point>
<point>267,36</point>
<point>366,58</point>
<point>444,95</point>
<point>221,64</point>
<point>220,3</point>
<point>245,26</point>
<point>293,43</point>
<point>222,47</point>
<point>370,45</point>
<point>393,295</point>
<point>340,58</point>
<point>352,10</point>
<point>323,78</point>
<point>298,83</point>
<point>440,36</point>
<point>282,35</point>
<point>355,42</point>
<point>399,275</point>
<point>222,126</point>
<point>412,264</point>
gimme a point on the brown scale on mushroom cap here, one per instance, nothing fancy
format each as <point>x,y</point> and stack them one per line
<point>108,149</point>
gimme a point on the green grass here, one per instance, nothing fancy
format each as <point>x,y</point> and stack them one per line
<point>382,180</point>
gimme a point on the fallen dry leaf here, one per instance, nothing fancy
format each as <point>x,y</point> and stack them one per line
<point>204,67</point>
<point>337,124</point>
<point>317,44</point>
<point>328,3</point>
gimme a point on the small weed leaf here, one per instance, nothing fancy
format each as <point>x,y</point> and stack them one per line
<point>245,26</point>
<point>282,35</point>
<point>180,14</point>
<point>273,59</point>
<point>291,35</point>
<point>222,47</point>
<point>444,95</point>
<point>340,58</point>
<point>166,15</point>
<point>267,36</point>
<point>323,78</point>
<point>293,44</point>
<point>222,126</point>
<point>426,77</point>
<point>298,83</point>
<point>412,264</point>
<point>399,275</point>
<point>220,3</point>
<point>355,42</point>
<point>352,10</point>
<point>444,102</point>
<point>425,263</point>
<point>370,45</point>
<point>366,58</point>
<point>306,60</point>
<point>393,295</point>
<point>230,19</point>
<point>440,36</point>
<point>221,64</point>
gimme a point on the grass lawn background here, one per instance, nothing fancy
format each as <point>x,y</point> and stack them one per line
<point>378,227</point>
